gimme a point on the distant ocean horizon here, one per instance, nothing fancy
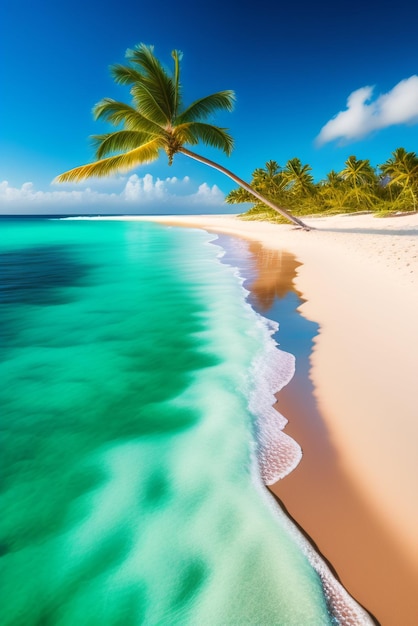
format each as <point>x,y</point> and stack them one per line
<point>59,216</point>
<point>137,433</point>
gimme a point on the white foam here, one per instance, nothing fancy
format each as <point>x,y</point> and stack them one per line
<point>271,370</point>
<point>277,453</point>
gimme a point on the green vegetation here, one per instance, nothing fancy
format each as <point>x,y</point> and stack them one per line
<point>392,187</point>
<point>156,121</point>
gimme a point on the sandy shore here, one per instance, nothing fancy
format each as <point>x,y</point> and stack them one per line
<point>359,276</point>
<point>360,279</point>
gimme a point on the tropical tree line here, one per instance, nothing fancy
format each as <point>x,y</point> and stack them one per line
<point>391,187</point>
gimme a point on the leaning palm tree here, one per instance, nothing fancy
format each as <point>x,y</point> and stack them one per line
<point>157,121</point>
<point>267,181</point>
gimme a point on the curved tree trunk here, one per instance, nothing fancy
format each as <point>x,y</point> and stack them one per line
<point>245,186</point>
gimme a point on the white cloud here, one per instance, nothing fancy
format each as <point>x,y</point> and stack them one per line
<point>363,116</point>
<point>138,195</point>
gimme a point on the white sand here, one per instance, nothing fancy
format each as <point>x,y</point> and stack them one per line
<point>360,279</point>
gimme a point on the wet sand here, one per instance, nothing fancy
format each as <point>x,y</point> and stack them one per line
<point>349,533</point>
<point>353,407</point>
<point>319,494</point>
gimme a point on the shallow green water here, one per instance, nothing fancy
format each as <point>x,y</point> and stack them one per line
<point>129,490</point>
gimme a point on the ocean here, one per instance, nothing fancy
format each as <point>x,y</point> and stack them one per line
<point>137,431</point>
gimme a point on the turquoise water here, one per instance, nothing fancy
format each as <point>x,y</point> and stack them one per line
<point>133,391</point>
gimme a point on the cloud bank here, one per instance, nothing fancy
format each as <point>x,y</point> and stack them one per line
<point>137,195</point>
<point>363,116</point>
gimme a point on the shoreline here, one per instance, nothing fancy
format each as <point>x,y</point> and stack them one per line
<point>267,279</point>
<point>307,495</point>
<point>358,277</point>
<point>351,272</point>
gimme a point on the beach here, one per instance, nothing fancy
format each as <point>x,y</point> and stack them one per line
<point>201,332</point>
<point>354,491</point>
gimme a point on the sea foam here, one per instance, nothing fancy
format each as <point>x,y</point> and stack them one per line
<point>277,453</point>
<point>271,369</point>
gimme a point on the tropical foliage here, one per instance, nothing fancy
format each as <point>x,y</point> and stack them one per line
<point>157,121</point>
<point>391,187</point>
<point>401,171</point>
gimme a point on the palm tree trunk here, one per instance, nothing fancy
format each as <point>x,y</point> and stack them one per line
<point>414,200</point>
<point>245,186</point>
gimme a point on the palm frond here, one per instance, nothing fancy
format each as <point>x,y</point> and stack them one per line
<point>119,141</point>
<point>177,56</point>
<point>202,108</point>
<point>120,113</point>
<point>124,74</point>
<point>182,135</point>
<point>120,163</point>
<point>149,104</point>
<point>193,132</point>
<point>154,78</point>
<point>239,195</point>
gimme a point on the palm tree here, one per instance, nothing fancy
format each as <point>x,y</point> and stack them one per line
<point>361,177</point>
<point>156,120</point>
<point>333,179</point>
<point>333,191</point>
<point>402,171</point>
<point>268,180</point>
<point>297,177</point>
<point>272,168</point>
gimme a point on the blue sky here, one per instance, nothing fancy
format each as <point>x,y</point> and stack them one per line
<point>292,66</point>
